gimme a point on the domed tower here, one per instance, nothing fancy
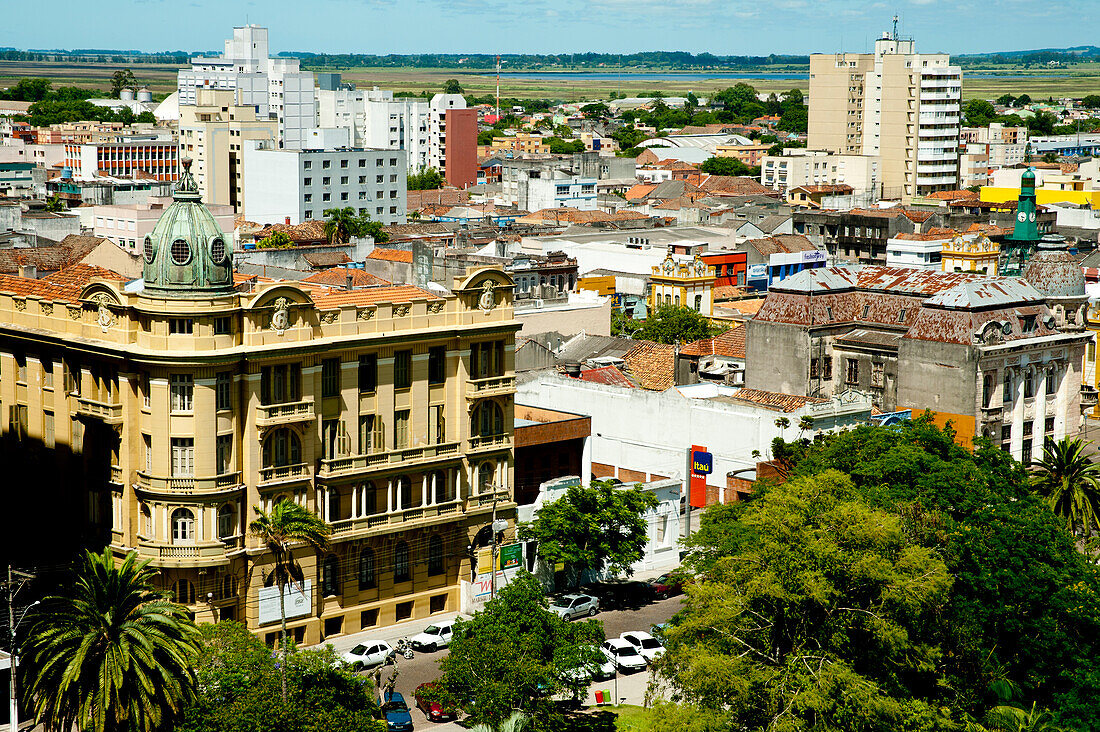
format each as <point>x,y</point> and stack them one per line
<point>187,254</point>
<point>1054,273</point>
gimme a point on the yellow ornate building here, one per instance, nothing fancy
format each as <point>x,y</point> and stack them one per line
<point>387,410</point>
<point>682,280</point>
<point>971,253</point>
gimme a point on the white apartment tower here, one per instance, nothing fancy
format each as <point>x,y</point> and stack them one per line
<point>379,120</point>
<point>276,87</point>
<point>895,104</point>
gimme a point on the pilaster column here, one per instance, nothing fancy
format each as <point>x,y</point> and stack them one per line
<point>389,496</point>
<point>1039,426</point>
<point>1063,400</point>
<point>424,490</point>
<point>1017,441</point>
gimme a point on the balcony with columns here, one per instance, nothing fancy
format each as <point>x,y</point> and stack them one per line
<point>355,511</point>
<point>412,457</point>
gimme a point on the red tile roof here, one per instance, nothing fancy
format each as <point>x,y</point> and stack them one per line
<point>776,400</point>
<point>79,275</point>
<point>338,276</point>
<point>327,298</point>
<point>391,255</point>
<point>639,191</point>
<point>609,375</point>
<point>830,188</point>
<point>653,365</point>
<point>307,231</point>
<point>730,344</point>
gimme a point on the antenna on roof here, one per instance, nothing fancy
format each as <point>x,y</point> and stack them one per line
<point>895,27</point>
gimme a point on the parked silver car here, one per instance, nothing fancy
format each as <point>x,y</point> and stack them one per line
<point>575,606</point>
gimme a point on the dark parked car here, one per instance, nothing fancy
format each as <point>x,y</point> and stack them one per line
<point>620,594</point>
<point>396,713</point>
<point>433,710</point>
<point>666,585</point>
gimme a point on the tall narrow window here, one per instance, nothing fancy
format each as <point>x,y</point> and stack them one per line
<point>401,429</point>
<point>224,454</point>
<point>223,395</point>
<point>330,431</point>
<point>402,369</point>
<point>437,364</point>
<point>280,384</point>
<point>372,437</point>
<point>227,521</point>
<point>437,427</point>
<point>183,391</point>
<point>487,359</point>
<point>330,576</point>
<point>330,377</point>
<point>183,525</point>
<point>47,373</point>
<point>401,562</point>
<point>1052,382</point>
<point>368,374</point>
<point>435,555</point>
<point>148,440</point>
<point>47,429</point>
<point>183,457</point>
<point>367,579</point>
<point>1008,388</point>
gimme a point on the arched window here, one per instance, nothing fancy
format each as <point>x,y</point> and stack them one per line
<point>184,591</point>
<point>435,555</point>
<point>282,448</point>
<point>367,579</point>
<point>183,525</point>
<point>401,562</point>
<point>227,521</point>
<point>486,477</point>
<point>488,420</point>
<point>330,578</point>
<point>147,521</point>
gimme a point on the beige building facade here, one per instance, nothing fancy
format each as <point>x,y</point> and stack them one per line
<point>387,411</point>
<point>212,133</point>
<point>801,167</point>
<point>894,103</point>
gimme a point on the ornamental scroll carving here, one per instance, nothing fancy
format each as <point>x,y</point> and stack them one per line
<point>280,319</point>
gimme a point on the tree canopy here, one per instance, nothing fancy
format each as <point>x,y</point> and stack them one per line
<point>671,324</point>
<point>930,581</point>
<point>592,528</point>
<point>426,180</point>
<point>728,166</point>
<point>514,656</point>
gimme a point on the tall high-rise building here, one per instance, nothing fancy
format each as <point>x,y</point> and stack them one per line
<point>894,103</point>
<point>276,87</point>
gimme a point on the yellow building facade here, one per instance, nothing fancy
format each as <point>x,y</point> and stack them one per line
<point>682,281</point>
<point>971,253</point>
<point>387,411</point>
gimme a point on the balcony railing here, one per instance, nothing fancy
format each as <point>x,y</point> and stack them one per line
<point>109,413</point>
<point>182,551</point>
<point>285,413</point>
<point>383,521</point>
<point>1089,396</point>
<point>490,442</point>
<point>189,484</point>
<point>477,388</point>
<point>116,475</point>
<point>284,473</point>
<point>377,460</point>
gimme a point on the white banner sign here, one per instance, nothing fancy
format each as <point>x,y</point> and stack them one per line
<point>298,602</point>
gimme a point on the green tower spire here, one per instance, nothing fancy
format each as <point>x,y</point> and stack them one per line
<point>1025,229</point>
<point>187,254</point>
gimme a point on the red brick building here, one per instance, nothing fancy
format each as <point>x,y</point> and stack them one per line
<point>460,156</point>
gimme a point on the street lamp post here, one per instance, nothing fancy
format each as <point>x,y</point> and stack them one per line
<point>13,703</point>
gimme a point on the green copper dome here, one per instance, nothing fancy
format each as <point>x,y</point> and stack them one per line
<point>187,254</point>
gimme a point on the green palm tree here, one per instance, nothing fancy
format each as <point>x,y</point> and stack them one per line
<point>341,225</point>
<point>1070,481</point>
<point>516,722</point>
<point>287,524</point>
<point>109,652</point>
<point>1013,719</point>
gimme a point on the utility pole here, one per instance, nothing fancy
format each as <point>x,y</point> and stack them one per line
<point>493,555</point>
<point>13,704</point>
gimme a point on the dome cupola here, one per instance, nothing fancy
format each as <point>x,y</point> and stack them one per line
<point>187,254</point>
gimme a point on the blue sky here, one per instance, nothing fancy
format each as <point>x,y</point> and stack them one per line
<point>546,26</point>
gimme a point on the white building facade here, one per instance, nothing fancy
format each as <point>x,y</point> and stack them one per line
<point>276,87</point>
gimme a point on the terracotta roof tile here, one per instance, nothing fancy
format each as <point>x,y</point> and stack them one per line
<point>391,255</point>
<point>310,231</point>
<point>829,188</point>
<point>776,400</point>
<point>338,277</point>
<point>72,249</point>
<point>730,344</point>
<point>953,195</point>
<point>79,275</point>
<point>653,365</point>
<point>609,375</point>
<point>639,191</point>
<point>327,298</point>
<point>326,259</point>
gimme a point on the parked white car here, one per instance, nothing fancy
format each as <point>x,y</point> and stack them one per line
<point>646,645</point>
<point>369,654</point>
<point>570,607</point>
<point>434,637</point>
<point>624,655</point>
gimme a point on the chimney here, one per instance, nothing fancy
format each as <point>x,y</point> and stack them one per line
<point>286,220</point>
<point>350,281</point>
<point>572,368</point>
<point>28,271</point>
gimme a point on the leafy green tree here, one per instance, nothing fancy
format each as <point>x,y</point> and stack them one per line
<point>1092,101</point>
<point>826,606</point>
<point>122,79</point>
<point>27,90</point>
<point>559,146</point>
<point>1006,100</point>
<point>628,137</point>
<point>451,86</point>
<point>426,180</point>
<point>726,166</point>
<point>1021,101</point>
<point>340,224</point>
<point>55,204</point>
<point>1041,123</point>
<point>592,528</point>
<point>596,110</point>
<point>515,655</point>
<point>979,113</point>
<point>108,652</point>
<point>287,524</point>
<point>672,324</point>
<point>1070,481</point>
<point>146,118</point>
<point>239,681</point>
<point>1050,157</point>
<point>275,240</point>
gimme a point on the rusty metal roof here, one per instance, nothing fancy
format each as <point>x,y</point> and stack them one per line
<point>986,293</point>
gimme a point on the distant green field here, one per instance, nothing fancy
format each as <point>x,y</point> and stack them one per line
<point>1077,82</point>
